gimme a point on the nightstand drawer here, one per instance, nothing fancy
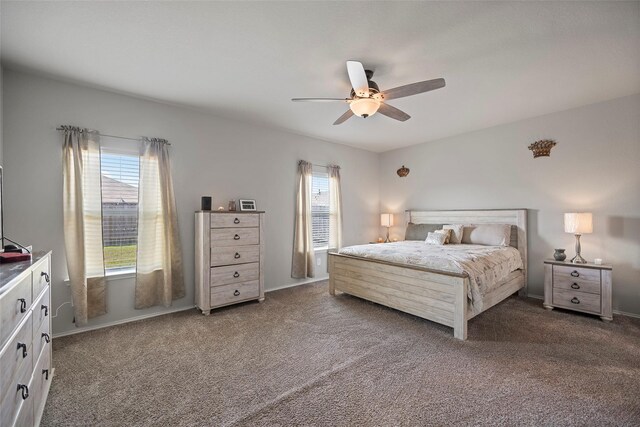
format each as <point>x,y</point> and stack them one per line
<point>576,273</point>
<point>576,300</point>
<point>576,284</point>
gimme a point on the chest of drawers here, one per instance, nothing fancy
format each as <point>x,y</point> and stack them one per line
<point>229,258</point>
<point>25,340</point>
<point>580,287</point>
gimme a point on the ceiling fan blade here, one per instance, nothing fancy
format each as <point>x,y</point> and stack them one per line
<point>393,112</point>
<point>413,89</point>
<point>358,78</point>
<point>320,99</point>
<point>343,118</point>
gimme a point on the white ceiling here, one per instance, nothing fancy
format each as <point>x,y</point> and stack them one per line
<point>502,61</point>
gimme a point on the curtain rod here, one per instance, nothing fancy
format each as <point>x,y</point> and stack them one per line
<point>115,136</point>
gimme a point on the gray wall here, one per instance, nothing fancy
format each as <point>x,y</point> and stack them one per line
<point>595,167</point>
<point>210,156</point>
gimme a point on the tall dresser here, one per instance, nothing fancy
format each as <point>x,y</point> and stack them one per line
<point>229,258</point>
<point>25,340</point>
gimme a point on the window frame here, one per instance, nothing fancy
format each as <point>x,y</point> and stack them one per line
<point>115,148</point>
<point>325,175</point>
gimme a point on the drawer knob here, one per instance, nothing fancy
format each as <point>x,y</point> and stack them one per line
<point>575,286</point>
<point>25,391</point>
<point>46,276</point>
<point>236,274</point>
<point>46,337</point>
<point>237,255</point>
<point>23,346</point>
<point>236,237</point>
<point>23,305</point>
<point>236,221</point>
<point>45,372</point>
<point>575,300</point>
<point>236,293</point>
<point>46,310</point>
<point>575,273</point>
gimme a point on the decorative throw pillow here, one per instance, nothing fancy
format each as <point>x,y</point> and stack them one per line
<point>419,231</point>
<point>447,233</point>
<point>435,238</point>
<point>487,234</point>
<point>456,232</point>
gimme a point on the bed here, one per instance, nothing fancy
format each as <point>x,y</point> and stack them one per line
<point>448,296</point>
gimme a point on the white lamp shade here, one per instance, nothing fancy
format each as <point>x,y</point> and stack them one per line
<point>364,106</point>
<point>578,223</point>
<point>386,220</point>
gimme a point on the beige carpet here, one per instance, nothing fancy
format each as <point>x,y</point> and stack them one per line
<point>305,358</point>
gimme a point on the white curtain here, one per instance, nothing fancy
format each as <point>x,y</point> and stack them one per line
<point>159,275</point>
<point>82,206</point>
<point>303,255</point>
<point>335,209</point>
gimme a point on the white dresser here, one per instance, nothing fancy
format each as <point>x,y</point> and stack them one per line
<point>229,258</point>
<point>25,340</point>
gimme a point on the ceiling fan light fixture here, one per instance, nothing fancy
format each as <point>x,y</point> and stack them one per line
<point>364,107</point>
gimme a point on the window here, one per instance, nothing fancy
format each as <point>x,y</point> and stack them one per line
<point>320,209</point>
<point>120,173</point>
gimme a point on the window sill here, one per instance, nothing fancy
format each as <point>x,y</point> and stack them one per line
<point>115,274</point>
<point>324,249</point>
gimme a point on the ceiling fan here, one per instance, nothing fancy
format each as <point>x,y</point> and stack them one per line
<point>366,99</point>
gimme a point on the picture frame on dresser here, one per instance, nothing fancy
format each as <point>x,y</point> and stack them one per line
<point>248,205</point>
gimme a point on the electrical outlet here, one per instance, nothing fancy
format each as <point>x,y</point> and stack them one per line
<point>318,261</point>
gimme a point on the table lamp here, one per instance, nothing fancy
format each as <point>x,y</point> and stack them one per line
<point>578,224</point>
<point>386,220</point>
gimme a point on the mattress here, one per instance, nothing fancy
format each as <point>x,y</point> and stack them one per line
<point>486,266</point>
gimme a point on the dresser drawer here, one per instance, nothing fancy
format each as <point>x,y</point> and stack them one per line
<point>234,236</point>
<point>576,300</point>
<point>41,380</point>
<point>234,255</point>
<point>12,398</point>
<point>16,353</point>
<point>576,284</point>
<point>14,306</point>
<point>25,413</point>
<point>234,274</point>
<point>229,294</point>
<point>227,220</point>
<point>40,277</point>
<point>41,339</point>
<point>42,309</point>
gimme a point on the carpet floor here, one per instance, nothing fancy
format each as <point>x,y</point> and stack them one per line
<point>305,358</point>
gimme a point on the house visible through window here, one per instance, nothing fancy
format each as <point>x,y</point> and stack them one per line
<point>320,209</point>
<point>120,178</point>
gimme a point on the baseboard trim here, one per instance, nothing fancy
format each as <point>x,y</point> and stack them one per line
<point>291,285</point>
<point>121,322</point>
<point>618,312</point>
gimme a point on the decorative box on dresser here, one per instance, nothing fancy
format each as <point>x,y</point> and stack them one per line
<point>25,340</point>
<point>229,258</point>
<point>579,287</point>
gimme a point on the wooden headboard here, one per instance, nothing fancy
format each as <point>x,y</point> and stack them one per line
<point>516,217</point>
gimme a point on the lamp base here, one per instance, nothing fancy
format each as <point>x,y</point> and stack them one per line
<point>387,239</point>
<point>578,260</point>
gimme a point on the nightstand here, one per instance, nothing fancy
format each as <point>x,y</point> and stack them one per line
<point>579,287</point>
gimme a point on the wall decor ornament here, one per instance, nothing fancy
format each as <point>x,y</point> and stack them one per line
<point>542,148</point>
<point>403,171</point>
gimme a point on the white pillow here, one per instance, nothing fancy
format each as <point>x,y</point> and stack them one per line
<point>434,238</point>
<point>487,234</point>
<point>447,233</point>
<point>456,232</point>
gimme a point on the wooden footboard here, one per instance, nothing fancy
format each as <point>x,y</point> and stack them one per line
<point>438,297</point>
